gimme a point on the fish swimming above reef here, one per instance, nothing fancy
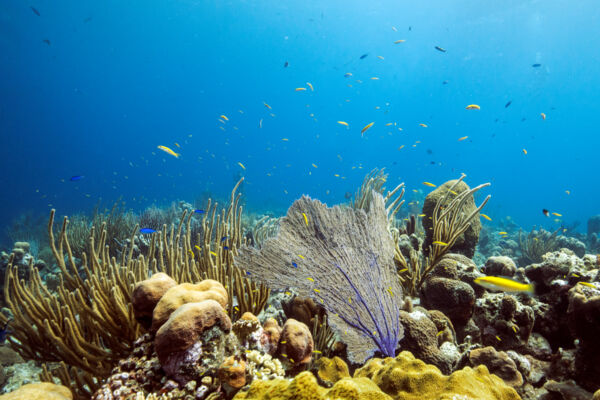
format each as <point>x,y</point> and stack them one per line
<point>147,230</point>
<point>508,104</point>
<point>498,283</point>
<point>76,178</point>
<point>536,65</point>
<point>169,151</point>
<point>364,56</point>
<point>438,48</point>
<point>546,212</point>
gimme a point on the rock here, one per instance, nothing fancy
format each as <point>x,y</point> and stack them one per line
<point>452,297</point>
<point>8,356</point>
<point>567,390</point>
<point>296,343</point>
<point>187,293</point>
<point>466,243</point>
<point>146,295</point>
<point>500,266</point>
<point>498,363</point>
<point>186,324</point>
<point>573,244</point>
<point>270,336</point>
<point>39,391</point>
<point>596,395</point>
<point>303,309</point>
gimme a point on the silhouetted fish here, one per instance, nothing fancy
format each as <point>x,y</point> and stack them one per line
<point>536,65</point>
<point>285,65</point>
<point>36,12</point>
<point>508,104</point>
<point>88,19</point>
<point>348,195</point>
<point>46,41</point>
<point>364,56</point>
<point>440,49</point>
<point>75,178</point>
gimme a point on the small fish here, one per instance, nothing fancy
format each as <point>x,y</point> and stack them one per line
<point>567,191</point>
<point>460,139</point>
<point>191,253</point>
<point>224,238</point>
<point>524,151</point>
<point>268,106</point>
<point>286,64</point>
<point>241,165</point>
<point>301,256</point>
<point>213,253</point>
<point>147,230</point>
<point>260,123</point>
<point>347,74</point>
<point>444,82</point>
<point>543,115</point>
<point>423,125</point>
<point>36,12</point>
<point>248,273</point>
<point>225,248</point>
<point>440,243</point>
<point>498,283</point>
<point>294,265</point>
<point>46,41</point>
<point>498,337</point>
<point>317,290</point>
<point>557,214</point>
<point>199,211</point>
<point>312,89</point>
<point>381,57</point>
<point>508,104</point>
<point>588,284</point>
<point>438,48</point>
<point>399,41</point>
<point>300,89</point>
<point>366,128</point>
<point>364,56</point>
<point>486,217</point>
<point>317,352</point>
<point>343,123</point>
<point>546,212</point>
<point>198,248</point>
<point>473,107</point>
<point>305,219</point>
<point>310,279</point>
<point>401,147</point>
<point>536,65</point>
<point>502,233</point>
<point>76,178</point>
<point>169,151</point>
<point>429,184</point>
<point>224,117</point>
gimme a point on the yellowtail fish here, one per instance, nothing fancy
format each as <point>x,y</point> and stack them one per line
<point>268,106</point>
<point>502,233</point>
<point>588,285</point>
<point>169,151</point>
<point>197,248</point>
<point>423,125</point>
<point>401,147</point>
<point>366,128</point>
<point>399,41</point>
<point>486,217</point>
<point>314,165</point>
<point>543,115</point>
<point>224,117</point>
<point>241,165</point>
<point>343,123</point>
<point>498,283</point>
<point>312,89</point>
<point>524,151</point>
<point>300,89</point>
<point>429,184</point>
<point>213,253</point>
<point>460,139</point>
<point>305,219</point>
<point>567,191</point>
<point>557,214</point>
<point>473,107</point>
<point>177,144</point>
<point>440,243</point>
<point>285,139</point>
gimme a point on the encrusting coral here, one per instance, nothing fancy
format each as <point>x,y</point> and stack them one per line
<point>329,254</point>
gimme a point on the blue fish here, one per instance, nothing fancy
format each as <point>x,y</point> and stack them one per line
<point>364,56</point>
<point>295,265</point>
<point>225,248</point>
<point>76,178</point>
<point>536,65</point>
<point>248,273</point>
<point>223,239</point>
<point>199,211</point>
<point>147,230</point>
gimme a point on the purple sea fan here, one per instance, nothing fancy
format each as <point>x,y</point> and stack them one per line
<point>343,259</point>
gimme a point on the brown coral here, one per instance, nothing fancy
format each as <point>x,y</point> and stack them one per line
<point>39,391</point>
<point>232,372</point>
<point>146,295</point>
<point>296,344</point>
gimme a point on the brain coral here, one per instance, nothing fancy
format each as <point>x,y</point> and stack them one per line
<point>400,378</point>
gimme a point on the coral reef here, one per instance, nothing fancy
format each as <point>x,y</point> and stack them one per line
<point>39,391</point>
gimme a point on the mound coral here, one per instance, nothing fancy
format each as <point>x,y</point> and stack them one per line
<point>39,391</point>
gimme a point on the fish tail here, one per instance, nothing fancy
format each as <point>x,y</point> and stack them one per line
<point>530,290</point>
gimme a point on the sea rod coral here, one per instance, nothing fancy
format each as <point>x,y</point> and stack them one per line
<point>343,259</point>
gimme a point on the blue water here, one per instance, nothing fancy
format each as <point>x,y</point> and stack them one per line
<point>120,78</point>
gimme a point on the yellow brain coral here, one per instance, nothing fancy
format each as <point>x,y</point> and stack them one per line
<point>400,378</point>
<point>406,378</point>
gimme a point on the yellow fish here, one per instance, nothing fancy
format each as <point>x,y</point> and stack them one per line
<point>314,165</point>
<point>305,219</point>
<point>567,191</point>
<point>380,57</point>
<point>399,41</point>
<point>375,79</point>
<point>525,151</point>
<point>423,125</point>
<point>285,139</point>
<point>224,117</point>
<point>268,106</point>
<point>401,147</point>
<point>557,214</point>
<point>502,233</point>
<point>169,151</point>
<point>177,144</point>
<point>310,86</point>
<point>486,217</point>
<point>588,284</point>
<point>543,115</point>
<point>503,284</point>
<point>366,128</point>
<point>473,107</point>
<point>197,248</point>
<point>389,123</point>
<point>440,243</point>
<point>343,123</point>
<point>462,138</point>
<point>300,89</point>
<point>429,184</point>
<point>241,165</point>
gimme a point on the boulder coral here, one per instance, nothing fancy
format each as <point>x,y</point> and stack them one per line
<point>187,293</point>
<point>146,295</point>
<point>39,391</point>
<point>296,343</point>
